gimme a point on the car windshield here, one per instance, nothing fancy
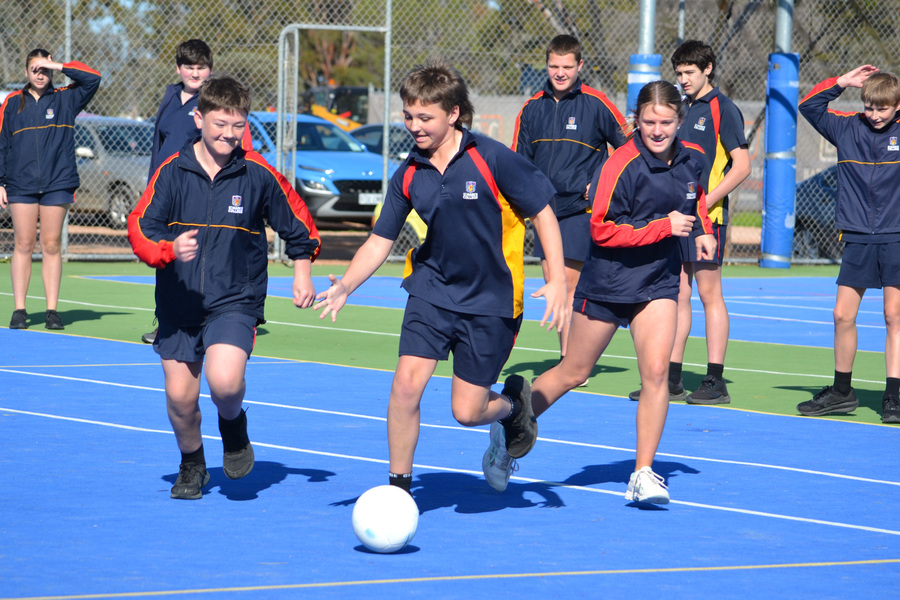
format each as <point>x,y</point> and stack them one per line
<point>320,137</point>
<point>126,140</point>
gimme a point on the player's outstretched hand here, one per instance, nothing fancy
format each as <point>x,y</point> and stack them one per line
<point>332,299</point>
<point>186,246</point>
<point>706,246</point>
<point>558,310</point>
<point>857,76</point>
<point>681,223</point>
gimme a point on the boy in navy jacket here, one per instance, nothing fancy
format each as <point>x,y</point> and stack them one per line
<point>201,223</point>
<point>174,123</point>
<point>564,130</point>
<point>867,212</point>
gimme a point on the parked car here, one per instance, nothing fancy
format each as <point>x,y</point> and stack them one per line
<point>814,233</point>
<point>372,137</point>
<point>113,157</point>
<point>337,178</point>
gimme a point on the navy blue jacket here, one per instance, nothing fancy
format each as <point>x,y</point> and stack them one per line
<point>173,127</point>
<point>567,140</point>
<point>634,257</point>
<point>868,197</point>
<point>231,213</point>
<point>37,145</point>
<point>471,259</point>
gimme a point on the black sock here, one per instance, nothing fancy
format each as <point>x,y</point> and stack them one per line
<point>842,382</point>
<point>513,411</point>
<point>675,373</point>
<point>402,481</point>
<point>715,370</point>
<point>194,458</point>
<point>892,388</point>
<point>234,432</point>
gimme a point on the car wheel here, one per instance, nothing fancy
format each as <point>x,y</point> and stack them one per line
<point>805,244</point>
<point>121,201</point>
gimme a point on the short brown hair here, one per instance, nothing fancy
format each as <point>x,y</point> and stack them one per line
<point>194,52</point>
<point>697,53</point>
<point>438,82</point>
<point>223,93</point>
<point>564,44</point>
<point>881,89</point>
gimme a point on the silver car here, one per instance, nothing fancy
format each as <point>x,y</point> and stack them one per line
<point>113,157</point>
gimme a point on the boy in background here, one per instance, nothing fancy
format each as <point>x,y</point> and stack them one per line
<point>201,224</point>
<point>564,131</point>
<point>175,118</point>
<point>867,212</point>
<point>715,124</point>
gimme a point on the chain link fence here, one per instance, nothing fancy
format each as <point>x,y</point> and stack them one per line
<point>498,45</point>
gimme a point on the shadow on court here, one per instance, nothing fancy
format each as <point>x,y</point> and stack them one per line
<point>264,475</point>
<point>538,367</point>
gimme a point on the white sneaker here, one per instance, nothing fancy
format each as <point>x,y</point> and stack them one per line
<point>647,486</point>
<point>497,464</point>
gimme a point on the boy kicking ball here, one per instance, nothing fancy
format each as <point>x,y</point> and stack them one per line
<point>201,224</point>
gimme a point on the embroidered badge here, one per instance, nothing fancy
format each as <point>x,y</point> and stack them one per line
<point>49,114</point>
<point>470,193</point>
<point>571,124</point>
<point>236,205</point>
<point>691,191</point>
<point>893,147</point>
<point>700,125</point>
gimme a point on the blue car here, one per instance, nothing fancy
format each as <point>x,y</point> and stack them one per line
<point>336,177</point>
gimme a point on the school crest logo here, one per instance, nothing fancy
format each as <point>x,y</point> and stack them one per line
<point>893,147</point>
<point>50,114</point>
<point>470,193</point>
<point>691,190</point>
<point>237,205</point>
<point>571,124</point>
<point>700,125</point>
<point>193,112</point>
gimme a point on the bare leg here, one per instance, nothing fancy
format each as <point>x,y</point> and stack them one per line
<point>52,218</point>
<point>846,308</point>
<point>409,383</point>
<point>25,219</point>
<point>709,287</point>
<point>182,402</point>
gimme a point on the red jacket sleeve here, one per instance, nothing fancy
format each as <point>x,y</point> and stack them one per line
<point>147,223</point>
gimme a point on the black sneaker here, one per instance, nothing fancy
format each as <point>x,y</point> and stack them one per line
<point>829,400</point>
<point>712,390</point>
<point>53,321</point>
<point>239,458</point>
<point>676,393</point>
<point>148,338</point>
<point>890,409</point>
<point>19,319</point>
<point>521,430</point>
<point>191,479</point>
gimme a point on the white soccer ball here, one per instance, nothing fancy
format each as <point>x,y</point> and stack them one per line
<point>385,518</point>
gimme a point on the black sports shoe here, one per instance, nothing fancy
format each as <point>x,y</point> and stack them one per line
<point>677,393</point>
<point>19,319</point>
<point>148,338</point>
<point>829,400</point>
<point>712,390</point>
<point>191,479</point>
<point>239,458</point>
<point>53,321</point>
<point>521,430</point>
<point>890,406</point>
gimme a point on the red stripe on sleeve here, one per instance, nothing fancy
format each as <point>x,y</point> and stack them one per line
<point>155,254</point>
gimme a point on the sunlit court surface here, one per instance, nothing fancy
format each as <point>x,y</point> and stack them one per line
<point>765,503</point>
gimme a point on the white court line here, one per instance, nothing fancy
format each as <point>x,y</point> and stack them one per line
<point>482,431</point>
<point>478,473</point>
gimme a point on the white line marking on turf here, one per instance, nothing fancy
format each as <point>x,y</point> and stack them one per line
<point>476,473</point>
<point>482,431</point>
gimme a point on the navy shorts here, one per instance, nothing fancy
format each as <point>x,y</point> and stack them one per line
<point>480,344</point>
<point>689,246</point>
<point>620,313</point>
<point>189,344</point>
<point>576,237</point>
<point>56,198</point>
<point>871,266</point>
